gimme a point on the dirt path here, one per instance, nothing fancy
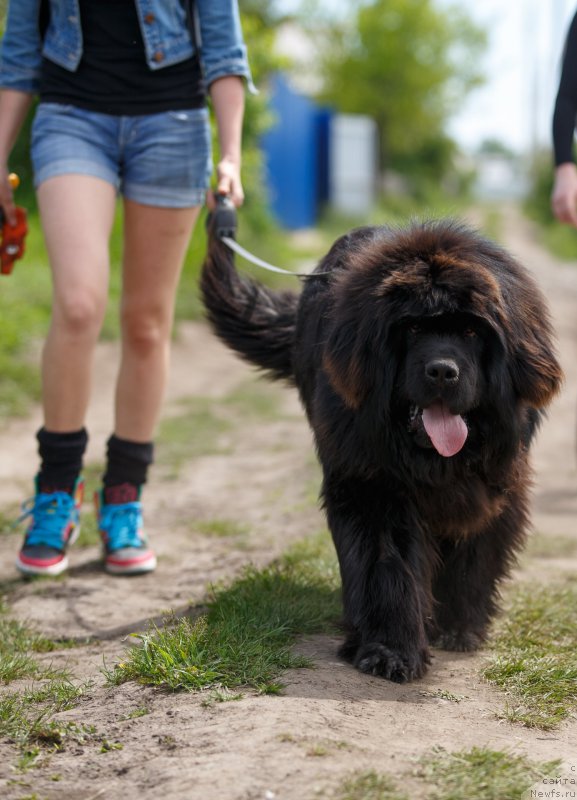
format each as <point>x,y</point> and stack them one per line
<point>261,477</point>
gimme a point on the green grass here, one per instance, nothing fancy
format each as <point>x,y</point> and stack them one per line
<point>560,240</point>
<point>26,717</point>
<point>370,785</point>
<point>245,638</point>
<point>543,546</point>
<point>222,528</point>
<point>17,644</point>
<point>196,431</point>
<point>255,399</point>
<point>534,656</point>
<point>481,774</point>
<point>202,422</point>
<point>24,310</point>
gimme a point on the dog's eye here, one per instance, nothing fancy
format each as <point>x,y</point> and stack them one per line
<point>414,328</point>
<point>471,332</point>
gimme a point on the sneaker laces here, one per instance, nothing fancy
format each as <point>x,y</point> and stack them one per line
<point>51,514</point>
<point>121,523</point>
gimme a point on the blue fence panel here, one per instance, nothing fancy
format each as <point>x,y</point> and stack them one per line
<point>296,153</point>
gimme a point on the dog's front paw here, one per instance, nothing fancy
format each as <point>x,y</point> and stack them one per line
<point>378,659</point>
<point>460,641</point>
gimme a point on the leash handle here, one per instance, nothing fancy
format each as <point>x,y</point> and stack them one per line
<point>224,219</point>
<point>222,223</point>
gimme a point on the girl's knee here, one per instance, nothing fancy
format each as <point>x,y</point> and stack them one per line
<point>79,312</point>
<point>145,333</point>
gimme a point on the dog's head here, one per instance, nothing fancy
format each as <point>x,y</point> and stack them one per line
<point>435,322</point>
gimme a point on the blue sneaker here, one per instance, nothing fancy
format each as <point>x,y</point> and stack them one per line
<point>55,525</point>
<point>126,550</point>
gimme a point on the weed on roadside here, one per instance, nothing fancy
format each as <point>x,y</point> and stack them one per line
<point>17,643</point>
<point>481,774</point>
<point>534,656</point>
<point>26,719</point>
<point>246,636</point>
<point>370,785</point>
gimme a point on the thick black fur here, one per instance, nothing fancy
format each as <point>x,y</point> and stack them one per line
<point>405,318</point>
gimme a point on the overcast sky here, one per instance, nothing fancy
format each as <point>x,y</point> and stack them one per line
<point>522,68</point>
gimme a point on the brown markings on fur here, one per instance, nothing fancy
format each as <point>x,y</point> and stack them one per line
<point>349,387</point>
<point>469,516</point>
<point>447,275</point>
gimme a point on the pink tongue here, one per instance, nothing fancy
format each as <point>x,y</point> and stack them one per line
<point>447,432</point>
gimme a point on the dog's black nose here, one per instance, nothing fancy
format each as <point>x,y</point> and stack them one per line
<point>442,371</point>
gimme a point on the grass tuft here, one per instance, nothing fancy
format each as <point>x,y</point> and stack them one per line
<point>535,656</point>
<point>17,642</point>
<point>370,786</point>
<point>246,636</point>
<point>26,717</point>
<point>481,774</point>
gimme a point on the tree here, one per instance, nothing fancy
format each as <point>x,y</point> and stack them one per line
<point>408,64</point>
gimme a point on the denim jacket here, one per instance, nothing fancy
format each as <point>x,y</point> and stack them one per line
<point>165,31</point>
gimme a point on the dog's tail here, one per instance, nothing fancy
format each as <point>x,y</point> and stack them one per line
<point>254,321</point>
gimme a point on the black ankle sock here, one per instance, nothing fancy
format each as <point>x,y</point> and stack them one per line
<point>126,469</point>
<point>61,456</point>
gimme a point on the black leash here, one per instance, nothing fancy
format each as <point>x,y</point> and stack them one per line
<point>223,223</point>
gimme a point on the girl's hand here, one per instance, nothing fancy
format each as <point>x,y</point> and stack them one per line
<point>564,194</point>
<point>228,183</point>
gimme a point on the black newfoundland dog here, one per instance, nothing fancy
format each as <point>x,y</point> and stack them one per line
<point>424,360</point>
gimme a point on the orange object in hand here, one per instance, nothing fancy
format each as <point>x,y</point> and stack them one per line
<point>12,237</point>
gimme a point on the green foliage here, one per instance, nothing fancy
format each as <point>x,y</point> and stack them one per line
<point>408,64</point>
<point>535,656</point>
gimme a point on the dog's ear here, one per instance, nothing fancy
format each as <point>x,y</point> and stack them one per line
<point>348,364</point>
<point>525,321</point>
<point>535,371</point>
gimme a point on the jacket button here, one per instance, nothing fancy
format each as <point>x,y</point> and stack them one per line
<point>158,56</point>
<point>149,18</point>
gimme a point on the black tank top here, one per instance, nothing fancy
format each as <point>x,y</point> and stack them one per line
<point>113,76</point>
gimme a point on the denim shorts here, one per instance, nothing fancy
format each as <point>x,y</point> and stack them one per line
<point>155,159</point>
